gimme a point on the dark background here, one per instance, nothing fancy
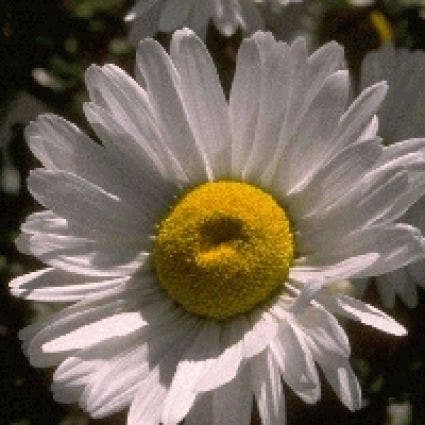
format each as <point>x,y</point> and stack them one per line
<point>45,46</point>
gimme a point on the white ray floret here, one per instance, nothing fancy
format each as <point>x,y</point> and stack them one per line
<point>401,117</point>
<point>151,16</point>
<point>287,138</point>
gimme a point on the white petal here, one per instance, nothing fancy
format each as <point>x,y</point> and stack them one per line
<point>359,115</point>
<point>372,199</point>
<point>146,406</point>
<point>59,286</point>
<point>368,315</point>
<point>262,330</point>
<point>60,145</point>
<point>344,269</point>
<point>273,103</point>
<point>408,154</point>
<point>332,181</point>
<point>324,61</point>
<point>312,144</point>
<point>153,172</point>
<point>296,363</point>
<point>199,18</point>
<point>394,245</point>
<point>334,361</point>
<point>76,199</point>
<point>81,256</point>
<point>204,100</point>
<point>232,403</point>
<point>297,102</point>
<point>244,103</point>
<point>341,377</point>
<point>118,379</point>
<point>164,94</point>
<point>57,230</point>
<point>113,326</point>
<point>124,119</point>
<point>268,389</point>
<point>45,222</point>
<point>298,88</point>
<point>231,349</point>
<point>324,330</point>
<point>108,305</point>
<point>61,323</point>
<point>198,358</point>
<point>76,372</point>
<point>371,131</point>
<point>111,371</point>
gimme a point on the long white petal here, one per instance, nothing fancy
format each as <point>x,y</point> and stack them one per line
<point>204,100</point>
<point>231,355</point>
<point>268,389</point>
<point>244,103</point>
<point>341,377</point>
<point>199,357</point>
<point>232,403</point>
<point>58,286</point>
<point>344,269</point>
<point>366,314</point>
<point>295,361</point>
<point>163,88</point>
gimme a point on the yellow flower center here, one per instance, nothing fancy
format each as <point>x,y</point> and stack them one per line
<point>223,249</point>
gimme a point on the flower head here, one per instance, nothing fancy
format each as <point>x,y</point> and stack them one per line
<point>192,241</point>
<point>401,117</point>
<point>149,17</point>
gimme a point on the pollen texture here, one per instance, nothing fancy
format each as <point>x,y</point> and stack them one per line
<point>224,248</point>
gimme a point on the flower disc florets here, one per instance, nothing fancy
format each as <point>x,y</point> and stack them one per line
<point>224,248</point>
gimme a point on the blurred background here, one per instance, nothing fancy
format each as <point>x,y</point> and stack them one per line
<point>45,47</point>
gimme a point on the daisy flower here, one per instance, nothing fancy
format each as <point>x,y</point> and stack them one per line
<point>150,16</point>
<point>401,117</point>
<point>191,242</point>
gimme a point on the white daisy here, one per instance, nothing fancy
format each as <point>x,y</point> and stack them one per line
<point>401,116</point>
<point>183,241</point>
<point>150,16</point>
